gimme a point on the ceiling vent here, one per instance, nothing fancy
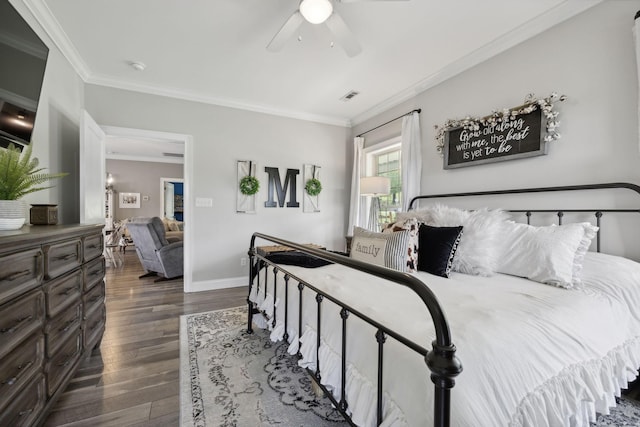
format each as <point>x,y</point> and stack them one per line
<point>349,96</point>
<point>173,154</point>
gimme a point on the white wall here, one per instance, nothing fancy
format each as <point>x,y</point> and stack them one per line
<point>221,137</point>
<point>55,136</point>
<point>591,59</point>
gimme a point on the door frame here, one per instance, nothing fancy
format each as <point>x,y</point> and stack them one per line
<point>187,140</point>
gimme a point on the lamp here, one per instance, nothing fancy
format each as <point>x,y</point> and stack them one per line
<point>316,11</point>
<point>109,180</point>
<point>374,186</point>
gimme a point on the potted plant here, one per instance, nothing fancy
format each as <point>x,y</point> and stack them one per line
<point>19,176</point>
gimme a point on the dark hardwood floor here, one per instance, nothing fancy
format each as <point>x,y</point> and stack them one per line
<point>133,378</point>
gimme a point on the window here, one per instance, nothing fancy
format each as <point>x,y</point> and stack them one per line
<point>384,160</point>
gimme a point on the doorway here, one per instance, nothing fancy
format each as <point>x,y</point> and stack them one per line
<point>147,136</point>
<point>172,198</point>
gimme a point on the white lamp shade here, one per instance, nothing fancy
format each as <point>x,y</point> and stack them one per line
<point>316,11</point>
<point>375,185</point>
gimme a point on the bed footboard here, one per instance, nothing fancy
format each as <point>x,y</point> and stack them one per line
<point>441,359</point>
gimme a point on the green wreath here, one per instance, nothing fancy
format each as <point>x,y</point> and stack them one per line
<point>313,187</point>
<point>249,185</point>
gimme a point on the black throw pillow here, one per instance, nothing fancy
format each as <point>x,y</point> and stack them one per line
<point>437,247</point>
<point>297,258</point>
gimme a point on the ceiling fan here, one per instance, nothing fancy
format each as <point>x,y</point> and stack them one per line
<point>318,12</point>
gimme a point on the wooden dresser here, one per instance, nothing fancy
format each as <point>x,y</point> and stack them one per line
<point>52,314</point>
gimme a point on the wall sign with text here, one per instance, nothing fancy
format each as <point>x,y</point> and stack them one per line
<point>521,136</point>
<point>506,134</point>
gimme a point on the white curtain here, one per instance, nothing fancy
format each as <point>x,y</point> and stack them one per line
<point>636,39</point>
<point>356,208</point>
<point>411,158</point>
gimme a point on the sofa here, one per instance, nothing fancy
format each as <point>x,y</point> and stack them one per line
<point>174,230</point>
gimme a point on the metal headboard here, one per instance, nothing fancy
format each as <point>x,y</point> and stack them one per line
<point>560,212</point>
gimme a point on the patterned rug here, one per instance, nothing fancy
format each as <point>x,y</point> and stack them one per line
<point>230,378</point>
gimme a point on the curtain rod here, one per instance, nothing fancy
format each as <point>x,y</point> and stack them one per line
<point>417,110</point>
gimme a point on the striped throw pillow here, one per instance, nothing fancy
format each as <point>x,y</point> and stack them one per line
<point>395,251</point>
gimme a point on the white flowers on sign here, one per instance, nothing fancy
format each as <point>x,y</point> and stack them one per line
<point>531,103</point>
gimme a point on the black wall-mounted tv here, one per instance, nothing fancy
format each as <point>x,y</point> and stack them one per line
<point>23,58</point>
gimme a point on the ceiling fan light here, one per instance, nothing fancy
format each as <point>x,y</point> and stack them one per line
<point>316,11</point>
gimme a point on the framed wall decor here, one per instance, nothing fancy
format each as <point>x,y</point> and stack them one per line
<point>507,134</point>
<point>247,186</point>
<point>312,188</point>
<point>129,200</point>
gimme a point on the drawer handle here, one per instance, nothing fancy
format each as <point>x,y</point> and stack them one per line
<point>67,291</point>
<point>16,325</point>
<point>21,370</point>
<point>95,325</point>
<point>65,257</point>
<point>94,299</point>
<point>67,325</point>
<point>13,276</point>
<point>25,412</point>
<point>95,272</point>
<point>66,362</point>
<point>92,246</point>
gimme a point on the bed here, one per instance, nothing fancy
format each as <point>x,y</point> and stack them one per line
<point>388,347</point>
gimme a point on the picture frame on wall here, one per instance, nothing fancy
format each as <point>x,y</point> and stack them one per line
<point>310,202</point>
<point>245,203</point>
<point>129,200</point>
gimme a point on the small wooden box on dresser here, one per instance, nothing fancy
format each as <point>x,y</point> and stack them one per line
<point>52,314</point>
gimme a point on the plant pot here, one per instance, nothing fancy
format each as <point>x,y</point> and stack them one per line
<point>12,214</point>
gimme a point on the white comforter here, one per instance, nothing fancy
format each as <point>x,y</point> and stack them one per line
<point>533,354</point>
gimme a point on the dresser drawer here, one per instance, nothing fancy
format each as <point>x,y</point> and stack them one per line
<point>20,272</point>
<point>59,366</point>
<point>62,257</point>
<point>93,272</point>
<point>26,407</point>
<point>93,299</point>
<point>19,366</point>
<point>93,246</point>
<point>94,328</point>
<point>19,319</point>
<point>63,292</point>
<point>61,327</point>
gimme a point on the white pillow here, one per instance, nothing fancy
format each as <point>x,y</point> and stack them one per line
<point>479,249</point>
<point>590,232</point>
<point>550,254</point>
<point>368,249</point>
<point>412,226</point>
<point>395,251</point>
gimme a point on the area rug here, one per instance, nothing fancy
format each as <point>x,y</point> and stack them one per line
<point>231,378</point>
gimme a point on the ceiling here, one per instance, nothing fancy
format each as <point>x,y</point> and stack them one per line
<point>214,51</point>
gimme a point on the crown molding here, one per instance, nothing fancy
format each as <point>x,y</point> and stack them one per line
<point>223,102</point>
<point>558,14</point>
<point>51,26</point>
<point>533,27</point>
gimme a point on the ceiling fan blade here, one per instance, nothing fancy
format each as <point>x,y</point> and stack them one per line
<point>355,1</point>
<point>286,32</point>
<point>343,35</point>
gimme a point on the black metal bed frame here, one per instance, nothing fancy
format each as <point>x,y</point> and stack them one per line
<point>441,359</point>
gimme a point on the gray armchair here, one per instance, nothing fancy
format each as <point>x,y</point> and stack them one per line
<point>157,254</point>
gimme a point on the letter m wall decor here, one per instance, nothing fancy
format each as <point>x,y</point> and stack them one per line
<point>275,183</point>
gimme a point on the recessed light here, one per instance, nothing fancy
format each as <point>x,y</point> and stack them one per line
<point>138,66</point>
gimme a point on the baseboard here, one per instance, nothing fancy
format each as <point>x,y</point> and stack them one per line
<point>211,285</point>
